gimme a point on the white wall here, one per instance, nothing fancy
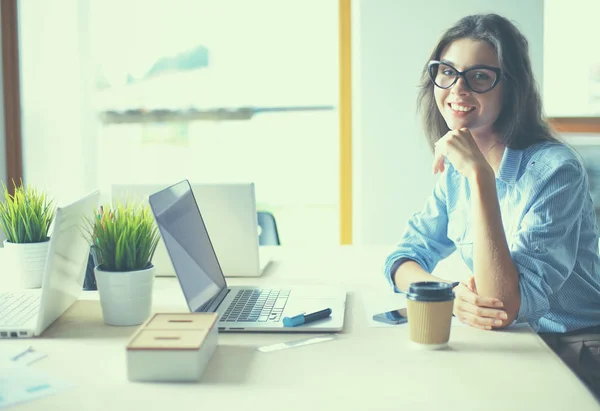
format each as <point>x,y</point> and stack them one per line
<point>572,63</point>
<point>391,41</point>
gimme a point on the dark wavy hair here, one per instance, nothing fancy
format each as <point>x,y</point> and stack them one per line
<point>521,121</point>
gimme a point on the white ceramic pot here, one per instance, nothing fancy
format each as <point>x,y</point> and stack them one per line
<point>125,297</point>
<point>25,263</point>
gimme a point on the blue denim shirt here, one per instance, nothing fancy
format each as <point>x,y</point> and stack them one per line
<point>550,226</point>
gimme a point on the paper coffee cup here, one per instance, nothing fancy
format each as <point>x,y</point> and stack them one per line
<point>429,307</point>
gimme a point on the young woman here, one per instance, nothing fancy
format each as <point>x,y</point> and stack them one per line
<point>511,197</point>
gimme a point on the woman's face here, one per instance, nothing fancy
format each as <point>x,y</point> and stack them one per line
<point>460,106</point>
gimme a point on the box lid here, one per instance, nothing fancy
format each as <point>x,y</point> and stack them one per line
<point>168,340</point>
<point>183,321</point>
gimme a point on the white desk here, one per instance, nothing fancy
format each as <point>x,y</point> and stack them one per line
<point>365,369</point>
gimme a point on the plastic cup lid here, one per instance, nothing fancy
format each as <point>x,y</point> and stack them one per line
<point>430,291</point>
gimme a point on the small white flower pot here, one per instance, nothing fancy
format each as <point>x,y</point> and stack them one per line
<point>125,297</point>
<point>26,263</point>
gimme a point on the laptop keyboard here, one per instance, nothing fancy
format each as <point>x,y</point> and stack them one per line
<point>17,309</point>
<point>256,305</point>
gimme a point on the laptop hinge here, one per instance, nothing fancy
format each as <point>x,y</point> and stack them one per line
<point>217,300</point>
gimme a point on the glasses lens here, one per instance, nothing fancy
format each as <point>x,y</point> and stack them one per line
<point>480,79</point>
<point>442,75</point>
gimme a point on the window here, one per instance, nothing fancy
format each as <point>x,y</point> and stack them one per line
<point>223,91</point>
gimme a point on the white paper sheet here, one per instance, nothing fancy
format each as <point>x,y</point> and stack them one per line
<point>20,384</point>
<point>297,343</point>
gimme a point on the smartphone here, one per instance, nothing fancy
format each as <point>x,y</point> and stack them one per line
<point>392,317</point>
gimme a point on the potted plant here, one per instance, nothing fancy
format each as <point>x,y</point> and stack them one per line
<point>25,219</point>
<point>124,238</point>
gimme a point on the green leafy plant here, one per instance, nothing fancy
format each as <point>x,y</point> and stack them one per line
<point>25,216</point>
<point>124,237</point>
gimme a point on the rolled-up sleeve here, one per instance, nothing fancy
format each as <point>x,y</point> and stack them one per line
<point>544,249</point>
<point>425,239</point>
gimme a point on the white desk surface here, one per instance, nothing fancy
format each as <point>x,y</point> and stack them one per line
<point>366,368</point>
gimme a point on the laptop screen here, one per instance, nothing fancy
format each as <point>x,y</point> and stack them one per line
<point>186,239</point>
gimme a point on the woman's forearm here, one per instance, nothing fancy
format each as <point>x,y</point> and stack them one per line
<point>493,268</point>
<point>411,272</point>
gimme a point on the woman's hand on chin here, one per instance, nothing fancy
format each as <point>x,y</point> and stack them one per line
<point>460,148</point>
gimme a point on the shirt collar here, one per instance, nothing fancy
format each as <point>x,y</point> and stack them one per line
<point>510,165</point>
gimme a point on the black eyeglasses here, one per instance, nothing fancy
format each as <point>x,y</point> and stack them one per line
<point>479,79</point>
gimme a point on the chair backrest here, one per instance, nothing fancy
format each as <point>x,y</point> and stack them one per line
<point>89,283</point>
<point>268,229</point>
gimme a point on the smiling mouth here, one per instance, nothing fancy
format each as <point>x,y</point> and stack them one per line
<point>460,108</point>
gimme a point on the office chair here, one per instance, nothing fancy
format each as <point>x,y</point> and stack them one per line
<point>268,229</point>
<point>89,282</point>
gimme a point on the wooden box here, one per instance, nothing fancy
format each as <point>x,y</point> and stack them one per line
<point>172,347</point>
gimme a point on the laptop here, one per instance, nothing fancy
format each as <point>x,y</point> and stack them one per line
<point>27,313</point>
<point>199,272</point>
<point>229,212</point>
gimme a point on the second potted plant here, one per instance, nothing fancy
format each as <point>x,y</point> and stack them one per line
<point>124,238</point>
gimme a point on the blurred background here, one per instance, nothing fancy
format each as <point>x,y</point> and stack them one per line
<point>313,100</point>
